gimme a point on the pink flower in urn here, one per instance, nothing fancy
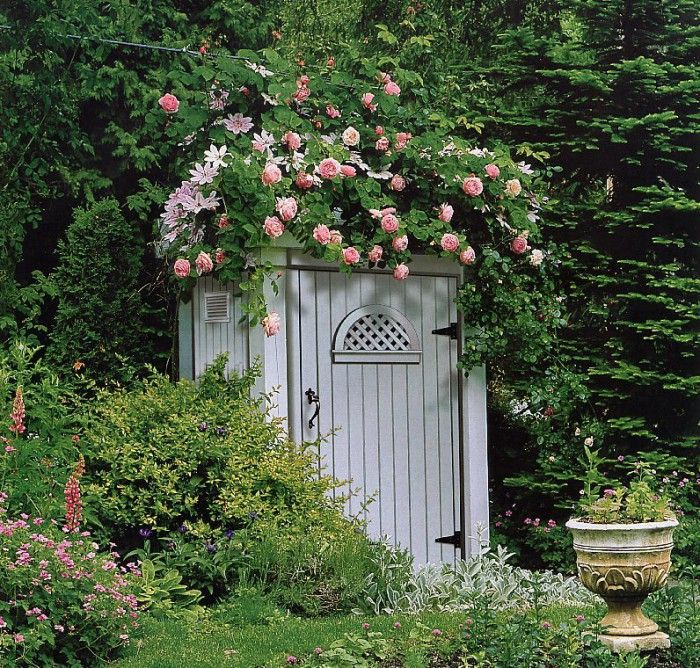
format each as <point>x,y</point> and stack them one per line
<point>392,88</point>
<point>518,245</point>
<point>382,144</point>
<point>375,255</point>
<point>348,171</point>
<point>271,323</point>
<point>322,234</point>
<point>351,255</point>
<point>304,180</point>
<point>329,168</point>
<point>397,183</point>
<point>286,207</point>
<point>336,237</point>
<point>446,212</point>
<point>291,140</point>
<point>401,272</point>
<point>169,103</point>
<point>271,174</point>
<point>492,171</point>
<point>332,112</point>
<point>390,223</point>
<point>367,100</point>
<point>449,243</point>
<point>182,268</point>
<point>400,244</point>
<point>273,227</point>
<point>473,186</point>
<point>203,263</point>
<point>467,256</point>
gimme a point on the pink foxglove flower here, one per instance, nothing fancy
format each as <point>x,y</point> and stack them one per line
<point>392,88</point>
<point>182,268</point>
<point>367,101</point>
<point>449,243</point>
<point>169,103</point>
<point>467,256</point>
<point>322,234</point>
<point>271,323</point>
<point>71,492</point>
<point>271,174</point>
<point>492,171</point>
<point>18,412</point>
<point>375,255</point>
<point>390,223</point>
<point>473,186</point>
<point>351,255</point>
<point>329,168</point>
<point>518,245</point>
<point>401,272</point>
<point>203,263</point>
<point>273,227</point>
<point>446,212</point>
<point>397,183</point>
<point>287,208</point>
<point>400,244</point>
<point>513,187</point>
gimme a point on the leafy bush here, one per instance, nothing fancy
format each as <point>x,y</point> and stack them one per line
<point>63,602</point>
<point>99,305</point>
<point>205,456</point>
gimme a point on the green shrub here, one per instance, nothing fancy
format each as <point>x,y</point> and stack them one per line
<point>99,311</point>
<point>204,455</point>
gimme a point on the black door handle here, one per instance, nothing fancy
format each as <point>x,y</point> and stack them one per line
<point>312,398</point>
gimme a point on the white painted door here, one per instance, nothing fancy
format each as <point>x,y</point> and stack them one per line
<point>389,387</point>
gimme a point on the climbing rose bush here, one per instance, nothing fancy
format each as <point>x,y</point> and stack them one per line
<point>351,163</point>
<point>64,602</point>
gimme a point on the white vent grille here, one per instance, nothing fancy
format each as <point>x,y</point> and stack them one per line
<point>376,334</point>
<point>217,307</point>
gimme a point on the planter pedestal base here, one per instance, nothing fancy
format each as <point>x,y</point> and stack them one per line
<point>618,644</point>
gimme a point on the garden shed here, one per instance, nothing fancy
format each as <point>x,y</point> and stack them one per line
<point>369,363</point>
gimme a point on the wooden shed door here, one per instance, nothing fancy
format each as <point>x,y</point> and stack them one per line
<point>364,345</point>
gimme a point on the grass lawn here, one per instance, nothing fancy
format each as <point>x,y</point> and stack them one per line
<point>177,644</point>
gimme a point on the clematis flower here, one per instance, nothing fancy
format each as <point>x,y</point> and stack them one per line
<point>216,156</point>
<point>238,123</point>
<point>203,174</point>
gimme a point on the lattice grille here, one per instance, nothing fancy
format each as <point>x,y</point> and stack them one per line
<point>377,332</point>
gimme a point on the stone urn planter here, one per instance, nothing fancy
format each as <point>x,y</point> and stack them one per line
<point>623,564</point>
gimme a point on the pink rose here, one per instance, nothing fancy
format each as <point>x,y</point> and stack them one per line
<point>367,99</point>
<point>169,103</point>
<point>304,180</point>
<point>401,272</point>
<point>513,187</point>
<point>473,186</point>
<point>348,171</point>
<point>379,130</point>
<point>467,256</point>
<point>400,244</point>
<point>397,183</point>
<point>271,323</point>
<point>449,243</point>
<point>219,256</point>
<point>329,168</point>
<point>332,112</point>
<point>390,223</point>
<point>302,94</point>
<point>383,77</point>
<point>224,222</point>
<point>351,137</point>
<point>271,174</point>
<point>182,268</point>
<point>446,212</point>
<point>273,227</point>
<point>382,144</point>
<point>322,234</point>
<point>402,138</point>
<point>518,245</point>
<point>303,80</point>
<point>291,140</point>
<point>392,88</point>
<point>203,263</point>
<point>336,237</point>
<point>492,171</point>
<point>351,255</point>
<point>375,255</point>
<point>286,207</point>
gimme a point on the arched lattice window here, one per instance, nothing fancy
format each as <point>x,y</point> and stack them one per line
<point>376,335</point>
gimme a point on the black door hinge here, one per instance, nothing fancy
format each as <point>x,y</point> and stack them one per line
<point>455,539</point>
<point>450,331</point>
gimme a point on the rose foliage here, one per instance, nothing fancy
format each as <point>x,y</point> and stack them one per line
<point>351,163</point>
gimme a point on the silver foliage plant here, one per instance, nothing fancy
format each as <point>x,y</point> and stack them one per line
<point>395,586</point>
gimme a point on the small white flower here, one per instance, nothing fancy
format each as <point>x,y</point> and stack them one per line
<point>588,441</point>
<point>258,69</point>
<point>272,101</point>
<point>577,432</point>
<point>216,156</point>
<point>536,257</point>
<point>384,175</point>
